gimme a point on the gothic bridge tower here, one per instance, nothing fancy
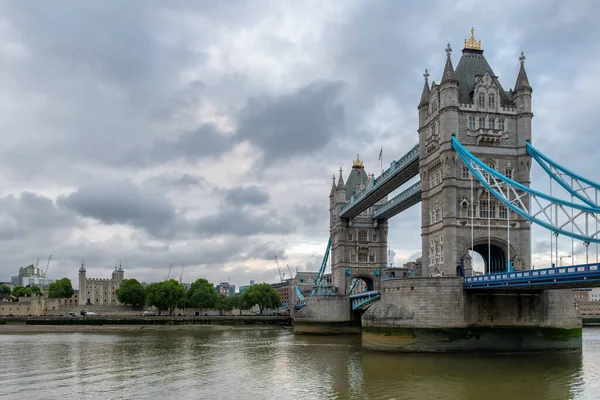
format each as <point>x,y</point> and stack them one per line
<point>493,124</point>
<point>358,245</point>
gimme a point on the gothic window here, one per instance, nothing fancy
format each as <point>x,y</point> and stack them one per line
<point>481,100</point>
<point>472,123</point>
<point>466,174</point>
<point>352,257</point>
<point>362,236</point>
<point>481,122</point>
<point>438,214</point>
<point>349,237</point>
<point>464,209</point>
<point>483,208</point>
<point>491,101</point>
<point>490,123</point>
<point>374,236</point>
<point>502,212</point>
<point>508,172</point>
<point>501,124</point>
<point>372,257</point>
<point>362,256</point>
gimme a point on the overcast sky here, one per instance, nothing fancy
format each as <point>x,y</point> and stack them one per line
<point>206,133</point>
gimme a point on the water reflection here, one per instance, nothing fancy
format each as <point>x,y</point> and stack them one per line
<point>273,364</point>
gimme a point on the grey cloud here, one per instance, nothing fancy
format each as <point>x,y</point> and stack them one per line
<point>123,203</point>
<point>246,195</point>
<point>293,124</point>
<point>242,223</point>
<point>182,182</point>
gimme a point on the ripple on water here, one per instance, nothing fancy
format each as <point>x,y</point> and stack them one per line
<point>273,364</point>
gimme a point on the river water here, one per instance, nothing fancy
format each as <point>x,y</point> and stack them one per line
<point>273,364</point>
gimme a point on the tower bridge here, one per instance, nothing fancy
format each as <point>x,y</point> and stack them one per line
<point>473,157</point>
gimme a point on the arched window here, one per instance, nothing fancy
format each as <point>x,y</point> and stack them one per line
<point>481,100</point>
<point>466,174</point>
<point>481,122</point>
<point>464,208</point>
<point>362,236</point>
<point>491,101</point>
<point>472,123</point>
<point>501,124</point>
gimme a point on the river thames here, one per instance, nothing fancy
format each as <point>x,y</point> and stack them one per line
<point>274,364</point>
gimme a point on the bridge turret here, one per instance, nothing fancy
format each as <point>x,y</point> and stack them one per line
<point>424,103</point>
<point>522,100</point>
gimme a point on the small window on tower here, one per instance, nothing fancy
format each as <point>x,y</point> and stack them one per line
<point>501,124</point>
<point>362,236</point>
<point>472,123</point>
<point>481,100</point>
<point>374,236</point>
<point>371,257</point>
<point>492,101</point>
<point>508,173</point>
<point>352,257</point>
<point>481,122</point>
<point>466,174</point>
<point>349,237</point>
<point>362,256</point>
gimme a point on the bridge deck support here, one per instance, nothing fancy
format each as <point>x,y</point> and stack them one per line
<point>326,315</point>
<point>437,315</point>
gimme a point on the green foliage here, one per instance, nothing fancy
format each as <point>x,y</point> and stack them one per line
<point>21,291</point>
<point>5,290</point>
<point>262,295</point>
<point>35,290</point>
<point>167,295</point>
<point>61,289</point>
<point>131,292</point>
<point>202,294</point>
<point>223,304</point>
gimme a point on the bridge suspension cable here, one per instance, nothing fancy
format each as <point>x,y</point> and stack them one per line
<point>553,214</point>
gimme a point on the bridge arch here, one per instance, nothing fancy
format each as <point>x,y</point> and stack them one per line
<point>494,254</point>
<point>370,282</point>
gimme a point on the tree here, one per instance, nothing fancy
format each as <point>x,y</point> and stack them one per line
<point>262,295</point>
<point>235,302</point>
<point>21,291</point>
<point>202,294</point>
<point>5,290</point>
<point>166,295</point>
<point>35,290</point>
<point>61,289</point>
<point>223,304</point>
<point>132,293</point>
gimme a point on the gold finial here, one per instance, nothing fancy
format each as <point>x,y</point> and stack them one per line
<point>357,163</point>
<point>472,43</point>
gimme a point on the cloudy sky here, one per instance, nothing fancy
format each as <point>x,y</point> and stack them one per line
<point>206,133</point>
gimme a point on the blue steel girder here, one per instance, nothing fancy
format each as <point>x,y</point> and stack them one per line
<point>397,174</point>
<point>551,213</point>
<point>361,300</point>
<point>399,203</point>
<point>575,276</point>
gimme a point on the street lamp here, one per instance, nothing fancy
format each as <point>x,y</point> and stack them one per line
<point>561,257</point>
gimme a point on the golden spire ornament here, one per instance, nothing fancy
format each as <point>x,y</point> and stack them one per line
<point>472,43</point>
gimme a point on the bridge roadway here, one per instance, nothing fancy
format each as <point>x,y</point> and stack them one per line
<point>570,277</point>
<point>397,174</point>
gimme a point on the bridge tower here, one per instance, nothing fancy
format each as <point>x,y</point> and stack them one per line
<point>495,125</point>
<point>359,244</point>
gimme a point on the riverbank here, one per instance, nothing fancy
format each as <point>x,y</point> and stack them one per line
<point>105,323</point>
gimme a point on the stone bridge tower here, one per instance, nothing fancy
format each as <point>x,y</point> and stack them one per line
<point>495,126</point>
<point>358,245</point>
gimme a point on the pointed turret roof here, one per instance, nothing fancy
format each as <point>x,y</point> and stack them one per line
<point>426,92</point>
<point>82,269</point>
<point>357,179</point>
<point>332,187</point>
<point>522,80</point>
<point>449,75</point>
<point>473,64</point>
<point>340,183</point>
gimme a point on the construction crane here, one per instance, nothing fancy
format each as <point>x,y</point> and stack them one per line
<point>289,270</point>
<point>281,276</point>
<point>169,274</point>
<point>47,265</point>
<point>181,276</point>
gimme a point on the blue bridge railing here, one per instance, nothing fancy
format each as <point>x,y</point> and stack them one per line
<point>395,166</point>
<point>361,299</point>
<point>570,276</point>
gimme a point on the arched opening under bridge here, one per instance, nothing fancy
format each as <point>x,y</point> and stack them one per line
<point>361,283</point>
<point>493,257</point>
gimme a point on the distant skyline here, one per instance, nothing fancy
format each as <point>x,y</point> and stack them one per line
<point>206,133</point>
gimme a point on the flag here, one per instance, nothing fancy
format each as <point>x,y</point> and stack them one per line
<point>380,153</point>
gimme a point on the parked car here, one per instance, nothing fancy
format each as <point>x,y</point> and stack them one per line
<point>149,313</point>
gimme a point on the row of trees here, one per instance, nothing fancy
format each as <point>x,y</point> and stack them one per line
<point>169,295</point>
<point>62,288</point>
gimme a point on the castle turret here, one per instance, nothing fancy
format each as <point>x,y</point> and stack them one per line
<point>82,289</point>
<point>522,100</point>
<point>121,273</point>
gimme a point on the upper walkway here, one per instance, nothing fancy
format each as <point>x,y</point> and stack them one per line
<point>399,172</point>
<point>404,200</point>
